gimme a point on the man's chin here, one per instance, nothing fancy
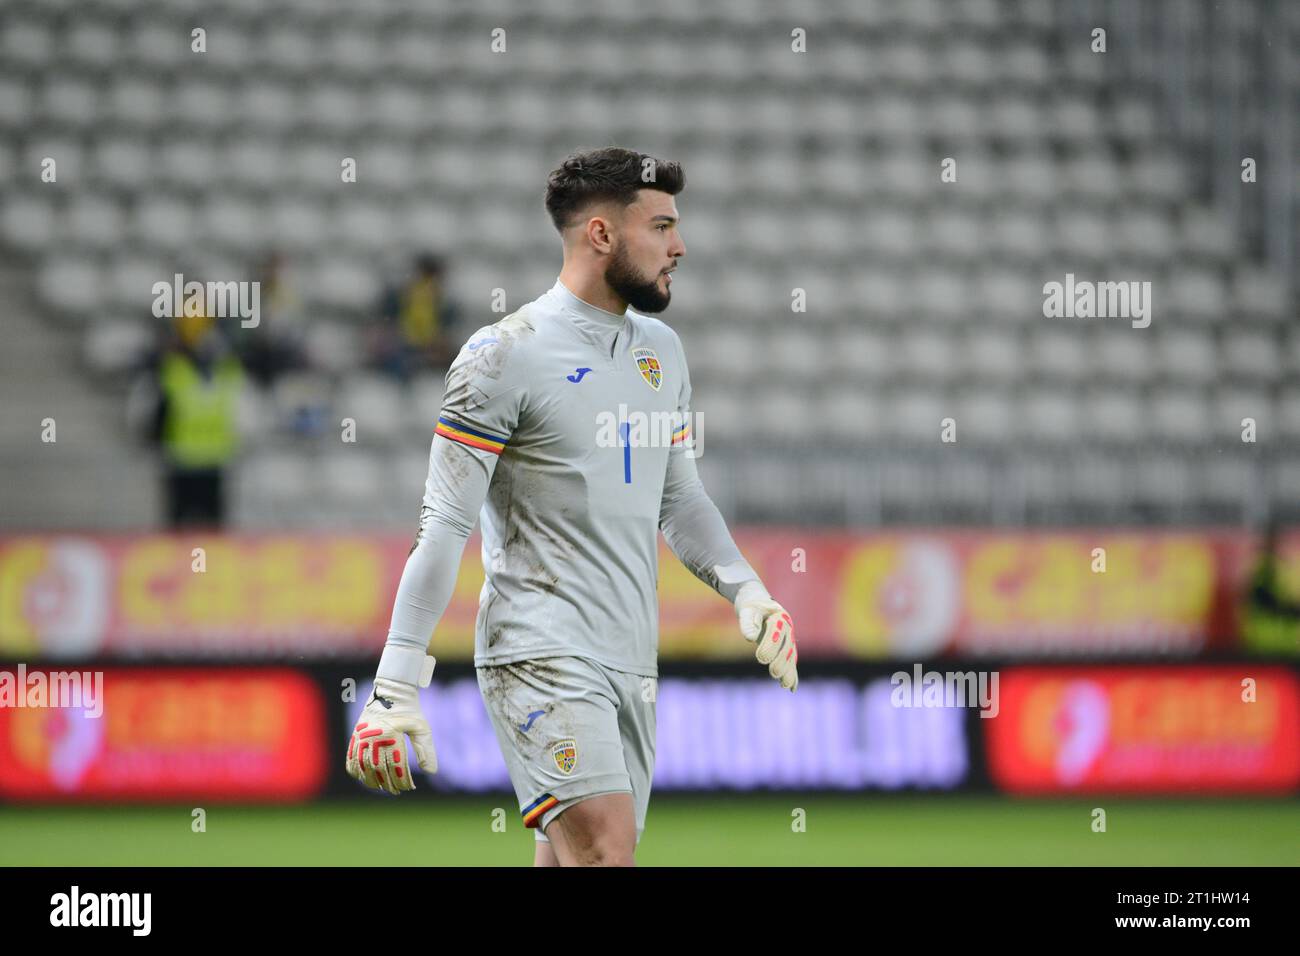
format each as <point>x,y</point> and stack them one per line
<point>640,295</point>
<point>658,305</point>
<point>650,300</point>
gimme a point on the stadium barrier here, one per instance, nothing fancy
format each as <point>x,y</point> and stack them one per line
<point>257,734</point>
<point>888,595</point>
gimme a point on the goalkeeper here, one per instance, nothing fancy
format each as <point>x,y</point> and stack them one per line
<point>567,632</point>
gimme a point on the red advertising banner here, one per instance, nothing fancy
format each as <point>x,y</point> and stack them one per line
<point>889,595</point>
<point>1208,730</point>
<point>221,734</point>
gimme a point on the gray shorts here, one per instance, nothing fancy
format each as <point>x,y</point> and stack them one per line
<point>569,729</point>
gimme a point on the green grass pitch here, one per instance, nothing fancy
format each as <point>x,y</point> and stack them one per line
<point>681,831</point>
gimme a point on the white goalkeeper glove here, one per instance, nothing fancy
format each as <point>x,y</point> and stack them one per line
<point>375,753</point>
<point>769,627</point>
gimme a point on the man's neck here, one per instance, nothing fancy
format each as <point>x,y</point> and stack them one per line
<point>593,290</point>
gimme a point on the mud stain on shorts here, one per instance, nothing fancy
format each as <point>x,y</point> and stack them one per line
<point>507,688</point>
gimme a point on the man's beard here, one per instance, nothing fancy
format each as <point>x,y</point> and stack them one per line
<point>632,287</point>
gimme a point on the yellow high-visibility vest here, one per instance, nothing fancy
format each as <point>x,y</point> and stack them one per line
<point>419,315</point>
<point>201,429</point>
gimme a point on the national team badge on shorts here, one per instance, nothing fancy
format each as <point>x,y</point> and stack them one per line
<point>565,753</point>
<point>647,361</point>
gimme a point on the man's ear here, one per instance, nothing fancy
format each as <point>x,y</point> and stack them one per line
<point>599,234</point>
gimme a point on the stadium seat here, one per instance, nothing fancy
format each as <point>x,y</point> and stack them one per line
<point>1115,415</point>
<point>375,403</point>
<point>915,416</point>
<point>1187,355</point>
<point>1121,355</point>
<point>95,222</point>
<point>1058,354</point>
<point>1233,405</point>
<point>987,418</point>
<point>1257,293</point>
<point>1052,416</point>
<point>1180,416</point>
<point>1288,413</point>
<point>72,286</point>
<point>1252,357</point>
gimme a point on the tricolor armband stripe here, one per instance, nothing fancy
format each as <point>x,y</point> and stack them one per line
<point>681,434</point>
<point>470,436</point>
<point>532,813</point>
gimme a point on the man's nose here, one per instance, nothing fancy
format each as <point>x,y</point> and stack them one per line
<point>678,248</point>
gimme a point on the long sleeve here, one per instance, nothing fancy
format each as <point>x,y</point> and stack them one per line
<point>690,521</point>
<point>454,492</point>
<point>479,413</point>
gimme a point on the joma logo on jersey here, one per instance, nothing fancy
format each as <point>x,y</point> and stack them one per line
<point>565,753</point>
<point>647,362</point>
<point>645,429</point>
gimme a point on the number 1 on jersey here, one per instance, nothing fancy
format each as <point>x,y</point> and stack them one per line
<point>623,430</point>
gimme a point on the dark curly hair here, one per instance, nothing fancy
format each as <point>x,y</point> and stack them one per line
<point>611,172</point>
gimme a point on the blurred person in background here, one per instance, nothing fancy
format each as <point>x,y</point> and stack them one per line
<point>276,344</point>
<point>416,320</point>
<point>1271,612</point>
<point>197,382</point>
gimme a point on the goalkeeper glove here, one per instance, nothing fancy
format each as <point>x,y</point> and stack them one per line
<point>379,738</point>
<point>769,627</point>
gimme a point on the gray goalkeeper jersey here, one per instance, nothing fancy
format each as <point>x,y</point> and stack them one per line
<point>577,419</point>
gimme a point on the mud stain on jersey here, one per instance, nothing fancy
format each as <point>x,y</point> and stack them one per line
<point>425,514</point>
<point>489,349</point>
<point>522,546</point>
<point>454,462</point>
<point>542,673</point>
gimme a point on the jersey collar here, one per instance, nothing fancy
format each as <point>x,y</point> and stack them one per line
<point>587,316</point>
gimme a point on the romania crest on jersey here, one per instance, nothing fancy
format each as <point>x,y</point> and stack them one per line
<point>565,753</point>
<point>647,361</point>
